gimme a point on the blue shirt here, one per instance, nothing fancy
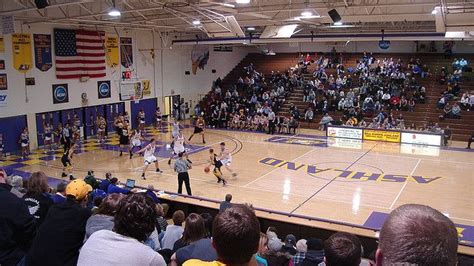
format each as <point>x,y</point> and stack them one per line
<point>104,185</point>
<point>153,196</point>
<point>114,189</point>
<point>58,198</point>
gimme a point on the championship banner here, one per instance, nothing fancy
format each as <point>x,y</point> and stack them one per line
<point>112,45</point>
<point>2,45</point>
<point>146,87</point>
<point>60,93</point>
<point>103,89</point>
<point>3,82</point>
<point>21,45</point>
<point>126,52</point>
<point>381,135</point>
<point>43,57</point>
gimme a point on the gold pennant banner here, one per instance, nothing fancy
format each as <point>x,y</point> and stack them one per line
<point>22,56</point>
<point>112,45</point>
<point>2,45</point>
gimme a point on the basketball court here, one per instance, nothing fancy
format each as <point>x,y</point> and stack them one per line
<point>339,180</point>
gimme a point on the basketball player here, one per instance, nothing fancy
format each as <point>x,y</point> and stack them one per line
<point>66,161</point>
<point>176,127</point>
<point>48,136</point>
<point>225,157</point>
<point>141,120</point>
<point>101,125</point>
<point>124,138</point>
<point>178,145</point>
<point>135,141</point>
<point>199,128</point>
<point>24,143</point>
<point>158,118</point>
<point>149,156</point>
<point>126,118</point>
<point>217,167</point>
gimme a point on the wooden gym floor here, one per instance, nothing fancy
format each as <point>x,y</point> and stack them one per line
<point>336,179</point>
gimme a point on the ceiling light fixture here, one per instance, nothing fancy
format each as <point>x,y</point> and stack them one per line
<point>196,22</point>
<point>339,23</point>
<point>242,1</point>
<point>114,12</point>
<point>250,28</point>
<point>434,12</point>
<point>228,5</point>
<point>306,14</point>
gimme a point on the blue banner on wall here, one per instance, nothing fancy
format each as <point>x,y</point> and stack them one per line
<point>60,93</point>
<point>103,88</point>
<point>43,58</point>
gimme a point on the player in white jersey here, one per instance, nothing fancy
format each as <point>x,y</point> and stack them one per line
<point>149,156</point>
<point>175,128</point>
<point>225,157</point>
<point>136,139</point>
<point>177,145</point>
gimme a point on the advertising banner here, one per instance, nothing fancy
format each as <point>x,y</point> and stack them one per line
<point>344,132</point>
<point>382,135</point>
<point>420,138</point>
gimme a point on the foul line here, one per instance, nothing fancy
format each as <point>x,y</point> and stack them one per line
<point>404,185</point>
<point>332,180</point>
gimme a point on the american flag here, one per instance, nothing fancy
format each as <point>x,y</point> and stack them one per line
<point>79,53</point>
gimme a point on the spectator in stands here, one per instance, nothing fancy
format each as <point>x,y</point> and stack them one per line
<point>17,225</point>
<point>289,245</point>
<point>315,253</point>
<point>114,188</point>
<point>325,121</point>
<point>274,255</point>
<point>447,133</point>
<point>262,250</point>
<point>236,235</point>
<point>103,217</point>
<point>465,102</point>
<point>301,249</point>
<point>308,116</point>
<point>160,218</point>
<point>194,244</point>
<point>60,195</point>
<point>342,249</point>
<point>134,221</point>
<point>104,185</point>
<point>174,231</point>
<point>208,220</point>
<point>16,182</point>
<point>417,235</point>
<point>226,203</point>
<point>91,180</point>
<point>37,198</point>
<point>455,111</point>
<point>62,234</point>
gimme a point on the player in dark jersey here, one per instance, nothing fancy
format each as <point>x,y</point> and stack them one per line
<point>217,167</point>
<point>66,161</point>
<point>199,128</point>
<point>124,137</point>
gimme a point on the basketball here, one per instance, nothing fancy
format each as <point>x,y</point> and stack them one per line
<point>207,169</point>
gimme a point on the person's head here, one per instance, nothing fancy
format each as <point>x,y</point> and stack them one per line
<point>3,176</point>
<point>178,217</point>
<point>152,141</point>
<point>314,244</point>
<point>109,204</point>
<point>61,188</point>
<point>236,234</point>
<point>274,244</point>
<point>342,249</point>
<point>38,183</point>
<point>417,234</point>
<point>228,197</point>
<point>15,181</point>
<point>211,151</point>
<point>135,216</point>
<point>181,154</point>
<point>290,240</point>
<point>263,244</point>
<point>208,220</point>
<point>78,190</point>
<point>194,229</point>
<point>114,180</point>
<point>301,246</point>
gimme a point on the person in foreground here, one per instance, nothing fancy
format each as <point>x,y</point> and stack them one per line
<point>418,235</point>
<point>236,236</point>
<point>342,249</point>
<point>134,221</point>
<point>62,233</point>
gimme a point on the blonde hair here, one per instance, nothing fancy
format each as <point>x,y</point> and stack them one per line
<point>262,244</point>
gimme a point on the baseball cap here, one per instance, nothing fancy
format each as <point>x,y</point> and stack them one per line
<point>78,189</point>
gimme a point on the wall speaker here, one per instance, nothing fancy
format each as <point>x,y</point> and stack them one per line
<point>213,71</point>
<point>41,3</point>
<point>334,15</point>
<point>187,72</point>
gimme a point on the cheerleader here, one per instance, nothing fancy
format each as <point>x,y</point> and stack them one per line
<point>24,143</point>
<point>66,161</point>
<point>76,129</point>
<point>177,145</point>
<point>141,120</point>
<point>124,138</point>
<point>199,128</point>
<point>158,118</point>
<point>48,136</point>
<point>126,118</point>
<point>149,156</point>
<point>136,139</point>
<point>101,126</point>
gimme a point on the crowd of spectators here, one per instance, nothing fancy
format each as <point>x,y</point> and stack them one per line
<point>129,229</point>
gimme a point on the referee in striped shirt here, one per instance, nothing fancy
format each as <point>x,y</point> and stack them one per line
<point>181,166</point>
